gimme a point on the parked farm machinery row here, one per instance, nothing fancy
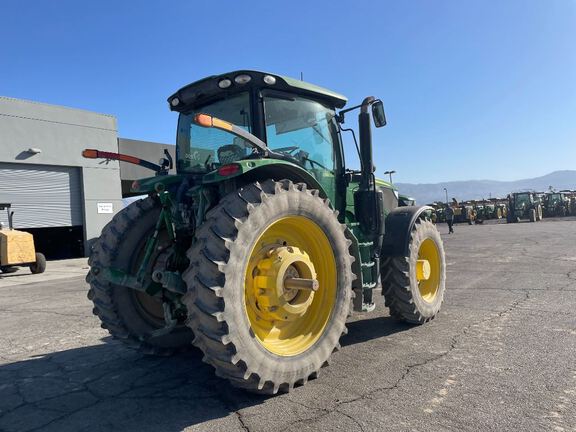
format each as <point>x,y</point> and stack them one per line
<point>517,206</point>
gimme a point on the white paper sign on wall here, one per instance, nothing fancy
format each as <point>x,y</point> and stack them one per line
<point>105,208</point>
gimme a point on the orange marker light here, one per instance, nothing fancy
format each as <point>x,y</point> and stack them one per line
<point>208,121</point>
<point>90,153</point>
<point>203,120</point>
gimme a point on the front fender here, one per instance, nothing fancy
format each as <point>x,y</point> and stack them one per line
<point>398,228</point>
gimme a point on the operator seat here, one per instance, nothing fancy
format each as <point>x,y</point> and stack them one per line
<point>230,153</point>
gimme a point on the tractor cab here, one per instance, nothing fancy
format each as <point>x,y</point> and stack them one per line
<point>294,122</point>
<point>522,200</point>
<point>524,205</point>
<point>554,199</point>
<point>556,204</point>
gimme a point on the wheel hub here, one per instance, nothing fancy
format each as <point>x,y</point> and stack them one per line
<point>423,269</point>
<point>285,283</point>
<point>428,269</point>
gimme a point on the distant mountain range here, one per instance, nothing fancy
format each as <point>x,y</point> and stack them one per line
<point>477,189</point>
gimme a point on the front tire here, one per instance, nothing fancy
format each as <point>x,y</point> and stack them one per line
<point>414,290</point>
<point>252,330</point>
<point>39,266</point>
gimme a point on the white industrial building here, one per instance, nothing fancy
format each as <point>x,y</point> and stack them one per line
<point>62,198</point>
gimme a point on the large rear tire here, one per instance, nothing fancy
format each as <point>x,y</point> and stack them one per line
<point>413,285</point>
<point>129,315</point>
<point>254,331</point>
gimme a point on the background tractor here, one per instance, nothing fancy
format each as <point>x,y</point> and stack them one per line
<point>555,204</point>
<point>571,196</point>
<point>17,248</point>
<point>524,205</point>
<point>439,212</point>
<point>500,207</point>
<point>255,249</point>
<point>488,209</point>
<point>463,212</point>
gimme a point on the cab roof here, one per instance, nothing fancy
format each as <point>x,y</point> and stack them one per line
<point>206,88</point>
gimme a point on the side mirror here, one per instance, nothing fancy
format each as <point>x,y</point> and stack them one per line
<point>378,114</point>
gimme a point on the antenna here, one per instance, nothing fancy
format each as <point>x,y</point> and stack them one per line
<point>301,76</point>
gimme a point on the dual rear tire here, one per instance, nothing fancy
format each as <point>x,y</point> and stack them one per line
<point>131,316</point>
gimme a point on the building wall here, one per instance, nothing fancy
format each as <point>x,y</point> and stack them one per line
<point>61,133</point>
<point>150,151</point>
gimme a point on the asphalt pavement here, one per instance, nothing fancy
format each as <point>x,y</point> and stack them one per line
<point>501,355</point>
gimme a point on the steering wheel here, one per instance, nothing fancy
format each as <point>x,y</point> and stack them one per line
<point>313,162</point>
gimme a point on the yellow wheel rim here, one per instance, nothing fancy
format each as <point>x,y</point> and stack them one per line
<point>287,320</point>
<point>428,270</point>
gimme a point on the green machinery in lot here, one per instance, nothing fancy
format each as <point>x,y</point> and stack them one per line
<point>571,196</point>
<point>463,212</point>
<point>524,205</point>
<point>438,212</point>
<point>256,248</point>
<point>556,204</point>
<point>500,207</point>
<point>489,209</point>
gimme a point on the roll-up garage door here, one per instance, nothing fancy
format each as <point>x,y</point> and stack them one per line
<point>41,196</point>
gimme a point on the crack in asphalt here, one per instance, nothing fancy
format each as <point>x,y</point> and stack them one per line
<point>227,401</point>
<point>26,311</point>
<point>85,386</point>
<point>456,339</point>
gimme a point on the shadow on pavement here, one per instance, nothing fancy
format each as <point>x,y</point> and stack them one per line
<point>370,329</point>
<point>15,272</point>
<point>110,387</point>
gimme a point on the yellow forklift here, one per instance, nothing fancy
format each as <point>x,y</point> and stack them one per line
<point>17,248</point>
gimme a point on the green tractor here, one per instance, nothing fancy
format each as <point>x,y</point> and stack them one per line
<point>439,214</point>
<point>524,205</point>
<point>571,197</point>
<point>500,207</point>
<point>488,209</point>
<point>481,210</point>
<point>464,212</point>
<point>258,247</point>
<point>556,204</point>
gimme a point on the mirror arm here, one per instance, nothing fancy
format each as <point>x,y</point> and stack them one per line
<point>208,121</point>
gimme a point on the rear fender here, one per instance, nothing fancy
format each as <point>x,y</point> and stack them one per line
<point>250,170</point>
<point>398,228</point>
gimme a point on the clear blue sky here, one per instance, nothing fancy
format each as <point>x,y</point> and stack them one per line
<point>472,89</point>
